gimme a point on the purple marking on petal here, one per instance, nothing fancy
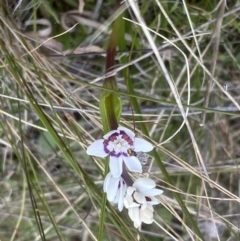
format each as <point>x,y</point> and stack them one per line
<point>106,136</point>
<point>115,154</point>
<point>123,133</point>
<point>105,142</point>
<point>106,150</point>
<point>127,131</point>
<point>127,138</point>
<point>113,137</point>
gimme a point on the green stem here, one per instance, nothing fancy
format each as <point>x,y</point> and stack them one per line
<point>110,105</point>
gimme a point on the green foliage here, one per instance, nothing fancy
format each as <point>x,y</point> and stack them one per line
<point>47,144</point>
<point>50,10</point>
<point>110,108</point>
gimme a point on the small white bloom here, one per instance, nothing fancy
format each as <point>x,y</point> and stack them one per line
<point>117,144</point>
<point>139,200</point>
<point>115,189</point>
<point>142,192</point>
<point>141,214</point>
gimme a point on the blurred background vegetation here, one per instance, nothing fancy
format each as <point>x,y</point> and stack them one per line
<point>52,68</point>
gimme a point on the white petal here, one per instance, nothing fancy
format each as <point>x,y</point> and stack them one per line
<point>144,205</point>
<point>150,207</point>
<point>146,215</point>
<point>133,164</point>
<point>120,205</point>
<point>116,199</point>
<point>153,201</point>
<point>109,134</point>
<point>131,213</point>
<point>143,184</point>
<point>152,192</point>
<point>139,197</point>
<point>106,181</point>
<point>133,205</point>
<point>115,165</point>
<point>137,223</point>
<point>134,215</point>
<point>110,146</point>
<point>97,149</point>
<point>122,191</point>
<point>127,131</point>
<point>112,189</point>
<point>131,190</point>
<point>142,145</point>
<point>128,200</point>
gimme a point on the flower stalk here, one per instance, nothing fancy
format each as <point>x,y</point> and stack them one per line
<point>119,145</point>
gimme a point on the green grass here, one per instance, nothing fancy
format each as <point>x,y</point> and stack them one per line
<point>50,188</point>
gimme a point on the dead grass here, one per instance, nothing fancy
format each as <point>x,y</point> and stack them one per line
<point>182,58</point>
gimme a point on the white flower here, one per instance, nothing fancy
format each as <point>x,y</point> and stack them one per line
<point>115,189</point>
<point>139,200</point>
<point>117,144</point>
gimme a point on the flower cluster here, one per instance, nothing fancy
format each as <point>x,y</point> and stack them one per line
<point>138,197</point>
